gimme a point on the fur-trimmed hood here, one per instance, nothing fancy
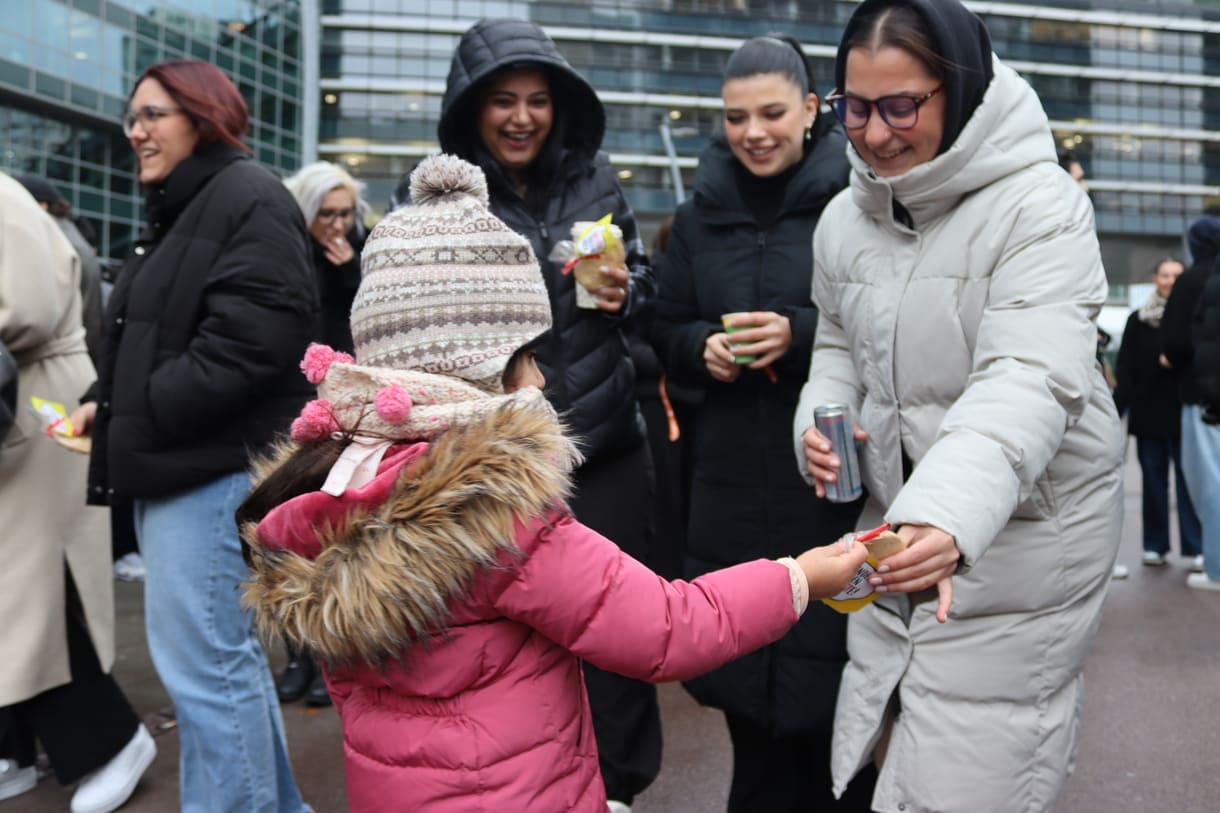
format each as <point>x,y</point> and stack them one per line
<point>358,579</point>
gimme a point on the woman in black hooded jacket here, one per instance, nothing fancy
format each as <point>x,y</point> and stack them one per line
<point>742,245</point>
<point>514,106</point>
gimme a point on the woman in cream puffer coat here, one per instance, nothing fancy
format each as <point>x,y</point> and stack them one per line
<point>958,288</point>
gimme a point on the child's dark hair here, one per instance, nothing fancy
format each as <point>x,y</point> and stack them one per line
<point>303,472</point>
<point>771,53</point>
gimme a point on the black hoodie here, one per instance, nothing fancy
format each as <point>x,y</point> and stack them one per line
<point>588,369</point>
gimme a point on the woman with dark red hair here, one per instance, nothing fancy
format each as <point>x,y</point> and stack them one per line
<point>204,331</point>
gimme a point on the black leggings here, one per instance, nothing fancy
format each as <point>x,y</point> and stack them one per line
<point>83,724</point>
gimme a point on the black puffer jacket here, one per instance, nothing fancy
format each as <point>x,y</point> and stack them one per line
<point>337,286</point>
<point>1206,332</point>
<point>588,369</point>
<point>747,500</point>
<point>1146,391</point>
<point>205,330</point>
<point>1177,341</point>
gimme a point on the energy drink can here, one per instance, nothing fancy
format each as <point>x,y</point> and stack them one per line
<point>834,421</point>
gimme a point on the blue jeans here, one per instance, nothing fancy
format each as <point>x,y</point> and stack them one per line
<point>233,755</point>
<point>1157,456</point>
<point>1201,465</point>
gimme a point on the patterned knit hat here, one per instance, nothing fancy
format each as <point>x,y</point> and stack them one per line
<point>447,288</point>
<point>448,295</point>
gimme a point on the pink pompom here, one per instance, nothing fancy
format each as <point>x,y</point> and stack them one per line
<point>317,361</point>
<point>317,420</point>
<point>392,404</point>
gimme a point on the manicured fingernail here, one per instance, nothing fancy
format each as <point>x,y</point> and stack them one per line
<point>834,461</point>
<point>883,569</point>
<point>881,589</point>
<point>874,580</point>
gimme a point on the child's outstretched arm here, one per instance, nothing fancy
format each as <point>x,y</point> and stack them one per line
<point>578,589</point>
<point>829,568</point>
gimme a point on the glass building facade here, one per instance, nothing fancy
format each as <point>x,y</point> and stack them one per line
<point>67,67</point>
<point>1129,85</point>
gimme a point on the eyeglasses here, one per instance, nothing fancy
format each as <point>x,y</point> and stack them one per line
<point>899,112</point>
<point>331,215</point>
<point>147,116</point>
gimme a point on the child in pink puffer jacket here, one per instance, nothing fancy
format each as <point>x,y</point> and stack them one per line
<point>414,536</point>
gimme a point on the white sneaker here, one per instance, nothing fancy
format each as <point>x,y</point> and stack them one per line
<point>1196,564</point>
<point>1153,559</point>
<point>107,788</point>
<point>618,807</point>
<point>15,781</point>
<point>129,568</point>
<point>1200,581</point>
<point>1120,572</point>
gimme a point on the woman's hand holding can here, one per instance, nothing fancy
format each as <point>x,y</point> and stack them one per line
<point>820,460</point>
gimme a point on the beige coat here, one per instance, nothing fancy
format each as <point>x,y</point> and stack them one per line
<point>42,486</point>
<point>968,341</point>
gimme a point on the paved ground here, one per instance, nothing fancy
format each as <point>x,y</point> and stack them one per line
<point>1151,736</point>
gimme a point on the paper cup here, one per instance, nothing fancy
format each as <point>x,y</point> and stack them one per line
<point>724,320</point>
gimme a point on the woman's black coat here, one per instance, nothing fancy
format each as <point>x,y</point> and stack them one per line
<point>205,330</point>
<point>588,369</point>
<point>1146,391</point>
<point>748,500</point>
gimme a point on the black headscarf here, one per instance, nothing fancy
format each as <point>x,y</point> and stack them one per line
<point>958,36</point>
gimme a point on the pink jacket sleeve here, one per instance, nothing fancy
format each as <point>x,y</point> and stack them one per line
<point>577,588</point>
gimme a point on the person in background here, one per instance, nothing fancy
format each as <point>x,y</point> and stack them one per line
<point>514,107</point>
<point>205,331</point>
<point>988,436</point>
<point>415,537</point>
<point>56,594</point>
<point>56,205</point>
<point>742,245</point>
<point>1147,394</point>
<point>1182,329</point>
<point>1070,164</point>
<point>333,204</point>
<point>128,565</point>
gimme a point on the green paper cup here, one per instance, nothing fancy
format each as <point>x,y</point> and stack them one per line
<point>724,320</point>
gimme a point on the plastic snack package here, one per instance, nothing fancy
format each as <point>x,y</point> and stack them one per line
<point>881,543</point>
<point>593,245</point>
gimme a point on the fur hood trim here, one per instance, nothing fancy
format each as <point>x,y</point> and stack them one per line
<point>387,574</point>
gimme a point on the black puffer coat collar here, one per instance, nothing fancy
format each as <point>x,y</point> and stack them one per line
<point>164,201</point>
<point>491,46</point>
<point>818,177</point>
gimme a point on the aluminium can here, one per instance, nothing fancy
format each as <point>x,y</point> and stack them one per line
<point>834,421</point>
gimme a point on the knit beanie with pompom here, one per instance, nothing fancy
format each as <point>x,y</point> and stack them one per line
<point>448,294</point>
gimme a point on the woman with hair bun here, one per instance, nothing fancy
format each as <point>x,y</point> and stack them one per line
<point>741,246</point>
<point>204,332</point>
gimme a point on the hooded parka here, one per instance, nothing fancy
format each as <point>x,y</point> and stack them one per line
<point>451,600</point>
<point>585,359</point>
<point>963,339</point>
<point>746,501</point>
<point>47,526</point>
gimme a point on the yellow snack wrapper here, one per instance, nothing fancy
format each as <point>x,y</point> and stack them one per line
<point>881,543</point>
<point>593,245</point>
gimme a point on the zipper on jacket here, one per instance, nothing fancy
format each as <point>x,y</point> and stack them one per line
<point>544,231</point>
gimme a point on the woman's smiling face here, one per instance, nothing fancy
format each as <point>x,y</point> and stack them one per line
<point>516,117</point>
<point>765,118</point>
<point>894,72</point>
